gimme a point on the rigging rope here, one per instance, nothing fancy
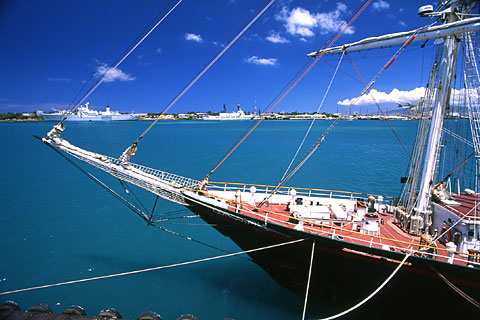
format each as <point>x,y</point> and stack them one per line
<point>317,144</point>
<point>201,73</point>
<point>372,294</point>
<point>153,210</point>
<point>408,196</point>
<point>458,167</point>
<point>378,106</point>
<point>313,120</point>
<point>116,64</point>
<point>152,269</point>
<point>132,207</point>
<point>266,108</point>
<point>106,55</point>
<point>133,196</point>
<point>100,183</point>
<point>441,235</point>
<point>456,289</point>
<point>312,64</point>
<point>190,239</point>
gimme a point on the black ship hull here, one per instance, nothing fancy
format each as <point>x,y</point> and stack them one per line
<point>345,273</point>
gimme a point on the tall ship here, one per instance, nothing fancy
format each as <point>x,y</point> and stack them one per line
<point>421,250</point>
<point>84,113</point>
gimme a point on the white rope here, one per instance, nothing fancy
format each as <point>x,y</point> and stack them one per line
<point>367,88</point>
<point>308,282</point>
<point>150,269</point>
<point>372,294</point>
<point>126,55</point>
<point>205,69</point>
<point>219,55</point>
<point>313,121</point>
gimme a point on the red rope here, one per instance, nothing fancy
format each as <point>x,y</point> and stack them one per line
<point>375,101</point>
<point>342,31</point>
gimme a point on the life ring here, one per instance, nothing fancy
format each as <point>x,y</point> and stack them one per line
<point>446,234</point>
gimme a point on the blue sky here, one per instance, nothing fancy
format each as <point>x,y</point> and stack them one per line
<point>50,48</point>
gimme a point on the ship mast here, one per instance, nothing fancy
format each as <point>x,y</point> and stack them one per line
<point>450,32</point>
<point>446,72</point>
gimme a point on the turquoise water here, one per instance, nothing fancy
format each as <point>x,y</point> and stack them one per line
<point>57,225</point>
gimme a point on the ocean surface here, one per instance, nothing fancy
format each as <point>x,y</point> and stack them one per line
<point>57,225</point>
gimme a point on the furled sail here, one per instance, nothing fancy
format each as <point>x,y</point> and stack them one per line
<point>433,32</point>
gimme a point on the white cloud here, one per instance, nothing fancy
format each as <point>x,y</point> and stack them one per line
<point>380,5</point>
<point>395,96</point>
<point>300,21</point>
<point>193,37</point>
<point>276,38</point>
<point>218,44</point>
<point>158,50</point>
<point>112,74</point>
<point>402,23</point>
<point>56,79</point>
<point>262,61</point>
<point>342,7</point>
<point>458,96</point>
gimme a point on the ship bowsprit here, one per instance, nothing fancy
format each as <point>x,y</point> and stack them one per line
<point>164,184</point>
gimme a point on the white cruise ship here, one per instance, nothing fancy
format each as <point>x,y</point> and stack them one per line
<point>83,113</point>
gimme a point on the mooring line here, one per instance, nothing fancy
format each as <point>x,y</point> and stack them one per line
<point>373,293</point>
<point>150,269</point>
<point>308,281</point>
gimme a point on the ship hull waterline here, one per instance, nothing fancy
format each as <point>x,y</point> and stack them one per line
<point>344,273</point>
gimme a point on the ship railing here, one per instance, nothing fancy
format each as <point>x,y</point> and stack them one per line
<point>299,192</point>
<point>171,178</point>
<point>330,229</point>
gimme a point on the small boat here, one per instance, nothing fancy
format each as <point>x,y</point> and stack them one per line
<point>84,113</point>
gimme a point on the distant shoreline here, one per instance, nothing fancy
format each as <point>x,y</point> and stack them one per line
<point>23,120</point>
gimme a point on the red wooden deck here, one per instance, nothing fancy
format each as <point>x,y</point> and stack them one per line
<point>390,234</point>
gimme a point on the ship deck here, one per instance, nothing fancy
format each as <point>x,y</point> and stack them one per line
<point>388,235</point>
<point>464,206</point>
